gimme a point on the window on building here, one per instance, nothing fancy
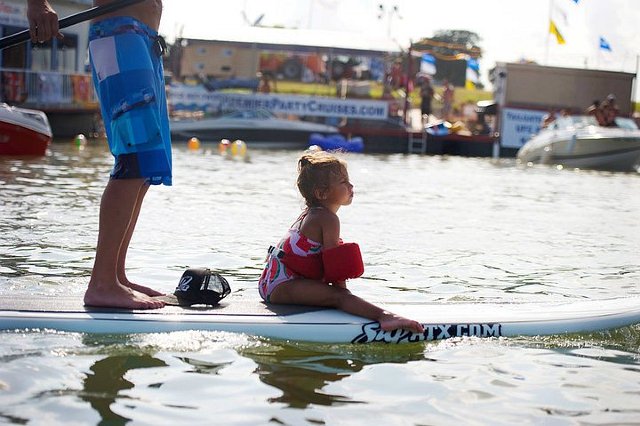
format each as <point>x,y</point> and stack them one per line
<point>67,53</point>
<point>14,56</point>
<point>41,54</point>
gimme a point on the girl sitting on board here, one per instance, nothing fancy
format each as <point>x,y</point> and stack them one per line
<point>311,264</point>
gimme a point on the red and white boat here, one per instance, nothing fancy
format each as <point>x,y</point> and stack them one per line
<point>23,131</point>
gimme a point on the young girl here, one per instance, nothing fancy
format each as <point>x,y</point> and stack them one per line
<point>310,265</point>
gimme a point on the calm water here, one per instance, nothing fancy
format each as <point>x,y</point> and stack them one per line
<point>430,228</point>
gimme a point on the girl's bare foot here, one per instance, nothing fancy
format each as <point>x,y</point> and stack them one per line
<point>389,322</point>
<point>119,296</point>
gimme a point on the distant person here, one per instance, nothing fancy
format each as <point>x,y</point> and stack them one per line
<point>264,85</point>
<point>426,98</point>
<point>595,110</point>
<point>447,99</point>
<point>548,119</point>
<point>395,76</point>
<point>610,111</point>
<point>131,91</point>
<point>392,102</point>
<point>311,264</point>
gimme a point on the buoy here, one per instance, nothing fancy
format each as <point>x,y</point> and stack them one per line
<point>80,140</point>
<point>238,148</point>
<point>223,146</point>
<point>193,144</point>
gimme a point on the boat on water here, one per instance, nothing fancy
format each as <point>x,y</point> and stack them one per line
<point>258,128</point>
<point>23,131</point>
<point>579,142</point>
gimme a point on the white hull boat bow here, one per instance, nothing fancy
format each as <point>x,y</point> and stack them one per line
<point>578,142</point>
<point>23,131</point>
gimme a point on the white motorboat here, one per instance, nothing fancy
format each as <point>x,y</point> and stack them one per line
<point>258,128</point>
<point>23,131</point>
<point>579,142</point>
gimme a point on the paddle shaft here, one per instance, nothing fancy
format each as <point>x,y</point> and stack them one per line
<point>94,12</point>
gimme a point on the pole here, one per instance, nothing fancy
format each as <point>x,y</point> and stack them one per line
<point>408,85</point>
<point>634,95</point>
<point>94,12</point>
<point>546,47</point>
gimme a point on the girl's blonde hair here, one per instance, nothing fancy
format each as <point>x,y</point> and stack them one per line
<point>316,172</point>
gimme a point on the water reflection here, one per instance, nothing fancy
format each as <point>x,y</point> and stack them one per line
<point>102,388</point>
<point>303,371</point>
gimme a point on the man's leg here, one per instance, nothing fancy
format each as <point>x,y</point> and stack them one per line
<point>122,255</point>
<point>117,209</point>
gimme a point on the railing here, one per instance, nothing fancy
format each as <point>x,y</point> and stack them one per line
<point>46,89</point>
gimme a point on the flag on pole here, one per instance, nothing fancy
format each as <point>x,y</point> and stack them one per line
<point>604,44</point>
<point>473,73</point>
<point>428,64</point>
<point>553,29</point>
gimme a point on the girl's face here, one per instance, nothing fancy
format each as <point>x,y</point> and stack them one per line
<point>340,191</point>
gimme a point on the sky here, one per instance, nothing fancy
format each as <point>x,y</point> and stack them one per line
<point>510,30</point>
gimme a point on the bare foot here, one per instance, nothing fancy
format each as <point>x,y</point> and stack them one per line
<point>119,296</point>
<point>391,321</point>
<point>141,289</point>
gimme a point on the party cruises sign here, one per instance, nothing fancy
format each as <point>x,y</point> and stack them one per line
<point>194,98</point>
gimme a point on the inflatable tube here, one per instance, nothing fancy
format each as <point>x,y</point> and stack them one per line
<point>336,143</point>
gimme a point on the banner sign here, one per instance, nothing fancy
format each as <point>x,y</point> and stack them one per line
<point>194,98</point>
<point>13,15</point>
<point>519,125</point>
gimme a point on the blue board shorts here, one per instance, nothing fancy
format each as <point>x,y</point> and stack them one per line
<point>129,80</point>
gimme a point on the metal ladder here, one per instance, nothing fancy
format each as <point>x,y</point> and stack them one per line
<point>417,145</point>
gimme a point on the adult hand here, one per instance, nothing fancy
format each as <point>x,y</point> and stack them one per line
<point>43,21</point>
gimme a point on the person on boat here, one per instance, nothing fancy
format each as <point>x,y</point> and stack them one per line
<point>595,110</point>
<point>426,97</point>
<point>448,95</point>
<point>548,118</point>
<point>610,111</point>
<point>126,58</point>
<point>311,264</point>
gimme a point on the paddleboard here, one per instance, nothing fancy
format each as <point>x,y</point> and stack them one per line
<point>301,323</point>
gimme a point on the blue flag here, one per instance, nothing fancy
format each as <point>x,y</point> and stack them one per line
<point>604,44</point>
<point>428,64</point>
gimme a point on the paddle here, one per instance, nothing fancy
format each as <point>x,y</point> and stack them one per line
<point>94,12</point>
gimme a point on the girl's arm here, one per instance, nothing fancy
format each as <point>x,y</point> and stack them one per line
<point>331,238</point>
<point>330,226</point>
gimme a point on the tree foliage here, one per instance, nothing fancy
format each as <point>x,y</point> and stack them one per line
<point>452,43</point>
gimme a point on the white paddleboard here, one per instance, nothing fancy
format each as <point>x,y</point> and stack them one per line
<point>311,324</point>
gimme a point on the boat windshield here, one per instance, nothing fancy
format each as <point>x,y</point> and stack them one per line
<point>626,123</point>
<point>582,121</point>
<point>573,122</point>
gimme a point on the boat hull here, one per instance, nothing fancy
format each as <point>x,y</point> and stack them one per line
<point>255,133</point>
<point>23,132</point>
<point>608,149</point>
